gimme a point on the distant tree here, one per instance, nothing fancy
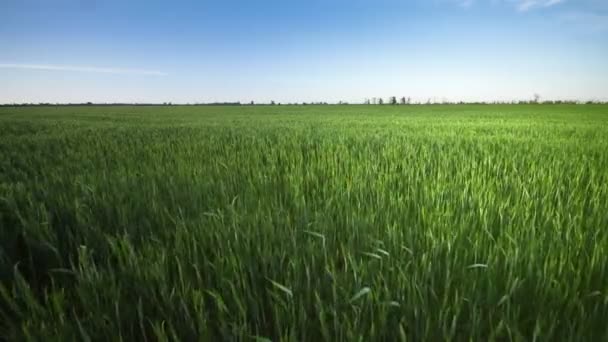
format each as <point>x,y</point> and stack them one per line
<point>536,98</point>
<point>380,101</point>
<point>272,103</point>
<point>402,100</point>
<point>392,100</point>
<point>252,103</point>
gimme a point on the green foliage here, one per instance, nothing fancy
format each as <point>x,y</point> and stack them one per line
<point>304,223</point>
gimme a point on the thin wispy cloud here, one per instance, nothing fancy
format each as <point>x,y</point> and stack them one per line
<point>526,5</point>
<point>466,3</point>
<point>520,5</point>
<point>48,67</point>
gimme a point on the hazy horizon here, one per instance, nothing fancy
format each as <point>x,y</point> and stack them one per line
<point>302,51</point>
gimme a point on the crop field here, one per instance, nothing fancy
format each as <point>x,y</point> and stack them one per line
<point>304,223</point>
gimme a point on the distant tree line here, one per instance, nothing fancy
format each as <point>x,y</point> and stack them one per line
<point>391,100</point>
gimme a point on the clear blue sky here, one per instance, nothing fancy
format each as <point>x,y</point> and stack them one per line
<point>296,50</point>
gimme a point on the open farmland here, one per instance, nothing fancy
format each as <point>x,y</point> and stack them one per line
<point>480,222</point>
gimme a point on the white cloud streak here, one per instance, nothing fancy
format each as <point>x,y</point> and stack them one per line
<point>466,3</point>
<point>520,5</point>
<point>82,69</point>
<point>526,5</point>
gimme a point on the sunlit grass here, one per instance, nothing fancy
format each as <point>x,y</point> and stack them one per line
<point>304,223</point>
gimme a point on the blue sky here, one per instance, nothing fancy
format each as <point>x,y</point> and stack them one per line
<point>314,50</point>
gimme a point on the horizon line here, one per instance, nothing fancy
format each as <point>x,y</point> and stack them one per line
<point>314,103</point>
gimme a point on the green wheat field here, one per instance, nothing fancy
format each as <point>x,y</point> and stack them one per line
<point>304,223</point>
